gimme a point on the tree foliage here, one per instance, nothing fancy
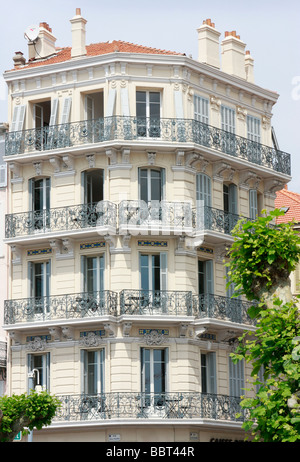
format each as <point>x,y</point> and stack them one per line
<point>26,411</point>
<point>261,259</point>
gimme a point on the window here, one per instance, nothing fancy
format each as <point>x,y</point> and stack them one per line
<point>208,373</point>
<point>154,363</point>
<point>151,184</point>
<point>39,279</point>
<point>92,184</point>
<point>93,273</point>
<point>148,108</point>
<point>201,109</point>
<point>92,371</point>
<point>153,272</point>
<point>236,378</point>
<point>253,128</point>
<point>205,277</point>
<point>203,189</point>
<point>40,364</point>
<point>230,207</point>
<point>39,196</point>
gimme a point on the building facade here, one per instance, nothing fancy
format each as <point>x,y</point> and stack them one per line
<point>128,168</point>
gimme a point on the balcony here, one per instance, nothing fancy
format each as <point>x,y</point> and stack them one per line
<point>155,217</point>
<point>223,308</point>
<point>68,220</point>
<point>158,302</point>
<point>61,307</point>
<point>131,302</point>
<point>137,406</point>
<point>123,128</point>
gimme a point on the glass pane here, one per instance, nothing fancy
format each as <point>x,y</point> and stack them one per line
<point>91,274</point>
<point>38,280</point>
<point>201,280</point>
<point>226,198</point>
<point>91,372</point>
<point>144,185</point>
<point>156,272</point>
<point>141,104</point>
<point>37,195</point>
<point>159,370</point>
<point>203,374</point>
<point>155,185</point>
<point>94,186</point>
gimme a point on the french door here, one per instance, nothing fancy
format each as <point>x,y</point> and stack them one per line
<point>153,279</point>
<point>39,190</point>
<point>148,106</point>
<point>39,279</point>
<point>93,297</point>
<point>154,363</point>
<point>92,371</point>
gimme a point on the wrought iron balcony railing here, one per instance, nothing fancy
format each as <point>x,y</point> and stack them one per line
<point>133,128</point>
<point>183,405</point>
<point>101,215</point>
<point>210,218</point>
<point>156,302</point>
<point>225,308</point>
<point>175,217</point>
<point>69,306</point>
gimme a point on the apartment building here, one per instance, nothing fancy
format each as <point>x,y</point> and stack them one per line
<point>128,168</point>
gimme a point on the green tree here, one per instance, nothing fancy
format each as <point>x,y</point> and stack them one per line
<point>261,259</point>
<point>25,412</point>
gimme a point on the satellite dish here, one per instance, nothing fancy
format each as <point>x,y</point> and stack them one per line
<point>31,33</point>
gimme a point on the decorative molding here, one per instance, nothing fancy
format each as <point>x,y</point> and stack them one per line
<point>126,329</point>
<point>17,254</point>
<point>64,248</point>
<point>37,344</point>
<point>91,160</point>
<point>271,186</point>
<point>155,337</point>
<point>38,168</point>
<point>90,339</point>
<point>15,169</point>
<point>112,155</point>
<point>220,169</point>
<point>111,329</point>
<point>69,162</point>
<point>68,332</point>
<point>38,252</point>
<point>92,245</point>
<point>55,333</point>
<point>180,158</point>
<point>246,177</point>
<point>143,243</point>
<point>151,158</point>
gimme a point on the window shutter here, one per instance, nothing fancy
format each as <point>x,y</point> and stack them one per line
<point>201,109</point>
<point>253,128</point>
<point>233,206</point>
<point>101,271</point>
<point>111,102</point>
<point>65,116</point>
<point>144,272</point>
<point>228,119</point>
<point>253,204</point>
<point>54,110</point>
<point>125,102</point>
<point>18,118</point>
<point>236,378</point>
<point>163,271</point>
<point>30,279</point>
<point>212,372</point>
<point>3,176</point>
<point>203,192</point>
<point>209,277</point>
<point>178,104</point>
<point>163,183</point>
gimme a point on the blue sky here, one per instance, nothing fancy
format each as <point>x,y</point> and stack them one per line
<point>270,29</point>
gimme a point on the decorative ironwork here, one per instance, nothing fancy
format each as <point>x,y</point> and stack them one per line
<point>133,128</point>
<point>155,215</point>
<point>101,215</point>
<point>70,306</point>
<point>219,307</point>
<point>156,302</point>
<point>183,405</point>
<point>215,220</point>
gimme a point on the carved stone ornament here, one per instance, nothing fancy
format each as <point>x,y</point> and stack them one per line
<point>91,340</point>
<point>36,345</point>
<point>154,338</point>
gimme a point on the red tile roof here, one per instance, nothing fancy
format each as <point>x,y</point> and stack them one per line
<point>286,198</point>
<point>96,49</point>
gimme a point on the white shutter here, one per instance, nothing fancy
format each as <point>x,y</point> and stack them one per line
<point>203,189</point>
<point>253,204</point>
<point>228,119</point>
<point>111,103</point>
<point>18,118</point>
<point>65,116</point>
<point>236,378</point>
<point>54,110</point>
<point>209,277</point>
<point>253,129</point>
<point>178,104</point>
<point>201,109</point>
<point>124,102</point>
<point>3,176</point>
<point>211,373</point>
<point>163,271</point>
<point>232,193</point>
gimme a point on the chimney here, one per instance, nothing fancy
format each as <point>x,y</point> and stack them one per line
<point>19,59</point>
<point>44,45</point>
<point>249,65</point>
<point>233,55</point>
<point>78,35</point>
<point>208,44</point>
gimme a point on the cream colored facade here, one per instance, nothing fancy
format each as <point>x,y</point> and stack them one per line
<point>123,309</point>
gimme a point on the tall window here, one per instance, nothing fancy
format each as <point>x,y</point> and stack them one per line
<point>203,189</point>
<point>92,371</point>
<point>148,106</point>
<point>92,183</point>
<point>205,277</point>
<point>151,184</point>
<point>253,128</point>
<point>40,364</point>
<point>39,192</point>
<point>154,372</point>
<point>228,119</point>
<point>39,283</point>
<point>153,272</point>
<point>230,207</point>
<point>93,273</point>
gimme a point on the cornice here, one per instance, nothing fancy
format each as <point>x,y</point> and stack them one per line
<point>138,58</point>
